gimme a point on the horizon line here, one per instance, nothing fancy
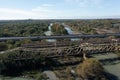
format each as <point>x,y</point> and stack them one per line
<point>59,19</point>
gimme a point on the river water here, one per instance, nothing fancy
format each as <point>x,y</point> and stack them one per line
<point>49,32</point>
<point>69,30</point>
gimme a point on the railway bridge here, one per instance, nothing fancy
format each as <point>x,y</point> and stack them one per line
<point>69,51</point>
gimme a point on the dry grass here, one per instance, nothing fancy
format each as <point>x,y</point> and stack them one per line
<point>90,69</point>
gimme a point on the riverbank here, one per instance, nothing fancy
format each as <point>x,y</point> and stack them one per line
<point>69,29</point>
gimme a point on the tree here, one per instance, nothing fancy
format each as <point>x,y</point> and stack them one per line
<point>3,46</point>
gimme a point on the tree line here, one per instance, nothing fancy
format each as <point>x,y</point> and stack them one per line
<point>88,26</point>
<point>21,28</point>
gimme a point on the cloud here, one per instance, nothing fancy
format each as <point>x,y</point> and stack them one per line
<point>42,9</point>
<point>47,5</point>
<point>47,11</point>
<point>8,13</point>
<point>86,3</point>
<point>15,11</point>
<point>41,12</point>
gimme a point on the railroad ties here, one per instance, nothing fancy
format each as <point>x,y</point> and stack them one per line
<point>79,50</point>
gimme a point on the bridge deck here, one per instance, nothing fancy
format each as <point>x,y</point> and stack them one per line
<point>60,37</point>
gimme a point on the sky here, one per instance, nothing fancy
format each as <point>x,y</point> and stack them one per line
<point>59,9</point>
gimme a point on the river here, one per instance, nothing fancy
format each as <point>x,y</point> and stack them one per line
<point>49,32</point>
<point>69,30</point>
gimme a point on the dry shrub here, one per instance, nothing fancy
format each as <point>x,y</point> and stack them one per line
<point>89,69</point>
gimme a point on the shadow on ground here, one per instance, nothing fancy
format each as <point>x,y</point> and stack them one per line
<point>110,76</point>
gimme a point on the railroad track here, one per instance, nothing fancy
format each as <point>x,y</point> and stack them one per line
<point>69,51</point>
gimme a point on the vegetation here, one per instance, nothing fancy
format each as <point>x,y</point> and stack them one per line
<point>3,46</point>
<point>90,69</point>
<point>14,63</point>
<point>17,62</point>
<point>92,26</point>
<point>23,28</point>
<point>20,28</point>
<point>58,29</point>
<point>65,74</point>
<point>9,44</point>
<point>40,76</point>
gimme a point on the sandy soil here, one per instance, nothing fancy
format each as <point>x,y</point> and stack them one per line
<point>111,63</point>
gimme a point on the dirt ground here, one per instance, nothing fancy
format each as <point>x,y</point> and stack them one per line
<point>111,64</point>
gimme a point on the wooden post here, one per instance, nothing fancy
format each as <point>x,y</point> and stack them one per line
<point>55,47</point>
<point>116,43</point>
<point>84,56</point>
